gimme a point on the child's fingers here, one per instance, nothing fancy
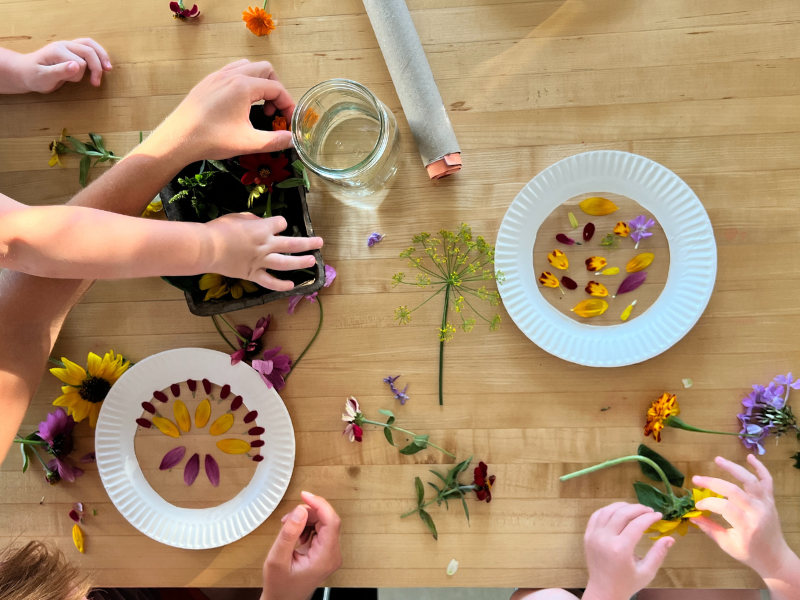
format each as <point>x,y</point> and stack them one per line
<point>88,54</point>
<point>762,472</point>
<point>105,60</point>
<point>623,517</point>
<point>636,528</point>
<point>283,549</point>
<point>282,262</point>
<point>738,471</point>
<point>293,245</point>
<point>724,488</point>
<point>654,558</point>
<point>235,65</point>
<point>57,74</point>
<point>725,508</point>
<point>266,280</point>
<point>275,224</point>
<point>604,514</point>
<point>711,528</point>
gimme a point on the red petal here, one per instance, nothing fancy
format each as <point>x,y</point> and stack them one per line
<point>258,458</point>
<point>481,494</point>
<point>175,7</point>
<point>74,516</point>
<point>569,283</point>
<point>175,388</point>
<point>192,384</point>
<point>194,12</point>
<point>251,162</point>
<point>480,478</point>
<point>251,416</point>
<point>257,443</point>
<point>144,423</point>
<point>225,391</point>
<point>212,470</point>
<point>207,386</point>
<point>172,458</point>
<point>191,469</point>
<point>588,232</point>
<point>236,403</point>
<point>149,407</point>
<point>256,431</point>
<point>160,396</point>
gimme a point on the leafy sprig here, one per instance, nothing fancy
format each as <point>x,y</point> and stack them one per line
<point>418,443</point>
<point>94,149</point>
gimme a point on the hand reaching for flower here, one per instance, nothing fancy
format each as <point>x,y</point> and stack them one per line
<point>292,572</point>
<point>755,536</point>
<point>48,68</point>
<point>213,121</point>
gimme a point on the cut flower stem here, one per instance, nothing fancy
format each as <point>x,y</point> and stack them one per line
<point>313,339</point>
<point>617,461</point>
<point>406,431</point>
<point>459,491</point>
<point>677,423</point>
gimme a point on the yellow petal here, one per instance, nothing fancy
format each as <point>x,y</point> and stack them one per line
<point>72,374</point>
<point>622,229</point>
<point>639,263</point>
<point>77,538</point>
<point>182,415</point>
<point>81,410</point>
<point>595,263</point>
<point>627,312</point>
<point>232,446</point>
<point>236,291</point>
<point>558,259</point>
<point>248,286</point>
<point>68,399</point>
<point>593,288</point>
<point>54,160</point>
<point>222,424</point>
<point>611,271</point>
<point>166,427</point>
<point>573,221</point>
<point>598,207</point>
<point>93,364</point>
<point>590,308</point>
<point>210,280</point>
<point>664,526</point>
<point>683,527</point>
<point>547,279</point>
<point>202,414</point>
<point>94,413</point>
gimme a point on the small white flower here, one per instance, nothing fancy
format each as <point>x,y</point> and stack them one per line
<point>452,567</point>
<point>353,410</point>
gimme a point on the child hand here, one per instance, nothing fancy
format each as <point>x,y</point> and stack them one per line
<point>755,537</point>
<point>244,245</point>
<point>292,575</point>
<point>50,67</point>
<point>615,572</point>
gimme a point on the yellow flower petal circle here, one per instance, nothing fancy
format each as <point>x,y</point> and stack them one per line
<point>202,414</point>
<point>221,425</point>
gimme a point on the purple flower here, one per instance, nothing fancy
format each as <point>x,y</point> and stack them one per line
<point>56,430</point>
<point>766,412</point>
<point>273,368</point>
<point>182,13</point>
<point>398,395</point>
<point>639,227</point>
<point>58,469</point>
<point>330,275</point>
<point>788,380</point>
<point>374,239</point>
<point>252,344</point>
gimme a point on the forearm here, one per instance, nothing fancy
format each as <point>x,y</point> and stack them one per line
<point>10,74</point>
<point>784,584</point>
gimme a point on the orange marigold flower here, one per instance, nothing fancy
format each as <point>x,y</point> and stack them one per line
<point>258,21</point>
<point>279,124</point>
<point>666,406</point>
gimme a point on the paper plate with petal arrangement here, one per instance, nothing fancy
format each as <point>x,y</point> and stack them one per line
<point>609,259</point>
<point>195,452</point>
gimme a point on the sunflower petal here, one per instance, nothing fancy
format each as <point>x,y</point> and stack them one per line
<point>77,538</point>
<point>591,308</point>
<point>233,446</point>
<point>640,262</point>
<point>182,417</point>
<point>94,413</point>
<point>221,425</point>
<point>81,410</point>
<point>248,286</point>
<point>598,207</point>
<point>166,427</point>
<point>202,414</point>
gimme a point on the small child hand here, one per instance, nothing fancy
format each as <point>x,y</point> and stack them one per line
<point>244,245</point>
<point>50,67</point>
<point>755,537</point>
<point>615,572</point>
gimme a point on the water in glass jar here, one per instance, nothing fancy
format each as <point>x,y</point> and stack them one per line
<point>348,134</point>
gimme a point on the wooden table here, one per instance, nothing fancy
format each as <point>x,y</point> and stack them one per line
<point>708,89</point>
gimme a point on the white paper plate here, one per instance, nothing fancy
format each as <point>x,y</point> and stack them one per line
<point>692,269</point>
<point>132,494</point>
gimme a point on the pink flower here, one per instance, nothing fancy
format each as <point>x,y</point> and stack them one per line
<point>273,368</point>
<point>56,430</point>
<point>253,345</point>
<point>182,13</point>
<point>63,470</point>
<point>354,432</point>
<point>353,418</point>
<point>330,275</point>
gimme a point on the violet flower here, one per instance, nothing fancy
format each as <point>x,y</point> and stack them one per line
<point>766,412</point>
<point>398,395</point>
<point>182,13</point>
<point>58,469</point>
<point>274,368</point>
<point>252,344</point>
<point>374,239</point>
<point>639,227</point>
<point>56,430</point>
<point>330,275</point>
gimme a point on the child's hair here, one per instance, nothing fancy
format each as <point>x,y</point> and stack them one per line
<point>38,572</point>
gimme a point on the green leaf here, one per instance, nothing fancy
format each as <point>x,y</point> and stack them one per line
<point>466,508</point>
<point>79,146</point>
<point>412,448</point>
<point>219,165</point>
<point>388,433</point>
<point>453,474</point>
<point>25,459</point>
<point>436,487</point>
<point>439,475</point>
<point>290,183</point>
<point>98,142</point>
<point>420,491</point>
<point>796,458</point>
<point>84,170</point>
<point>674,476</point>
<point>426,518</point>
<point>388,413</point>
<point>652,497</point>
<point>213,211</point>
<point>421,440</point>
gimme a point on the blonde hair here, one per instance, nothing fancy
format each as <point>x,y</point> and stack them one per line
<point>38,572</point>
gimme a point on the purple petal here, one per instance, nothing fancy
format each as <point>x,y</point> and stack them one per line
<point>565,240</point>
<point>191,469</point>
<point>293,302</point>
<point>143,423</point>
<point>74,516</point>
<point>312,297</point>
<point>78,507</point>
<point>271,353</point>
<point>194,12</point>
<point>330,275</point>
<point>149,407</point>
<point>632,282</point>
<point>160,396</point>
<point>172,458</point>
<point>244,331</point>
<point>257,443</point>
<point>212,470</point>
<point>89,457</point>
<point>175,7</point>
<point>255,431</point>
<point>264,367</point>
<point>237,357</point>
<point>258,458</point>
<point>225,391</point>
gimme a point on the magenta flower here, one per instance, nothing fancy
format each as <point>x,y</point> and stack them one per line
<point>330,275</point>
<point>58,469</point>
<point>182,13</point>
<point>56,430</point>
<point>273,368</point>
<point>374,239</point>
<point>252,344</point>
<point>639,227</point>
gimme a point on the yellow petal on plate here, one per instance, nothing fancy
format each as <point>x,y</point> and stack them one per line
<point>640,262</point>
<point>221,425</point>
<point>595,263</point>
<point>558,259</point>
<point>627,312</point>
<point>593,288</point>
<point>182,415</point>
<point>547,279</point>
<point>591,308</point>
<point>611,271</point>
<point>622,229</point>
<point>598,207</point>
<point>166,427</point>
<point>77,538</point>
<point>232,446</point>
<point>202,414</point>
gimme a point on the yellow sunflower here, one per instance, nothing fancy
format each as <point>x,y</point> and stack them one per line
<point>57,148</point>
<point>666,406</point>
<point>664,528</point>
<point>87,388</point>
<point>216,286</point>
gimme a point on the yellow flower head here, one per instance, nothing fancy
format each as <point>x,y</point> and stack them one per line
<point>86,389</point>
<point>558,259</point>
<point>216,286</point>
<point>622,229</point>
<point>156,206</point>
<point>664,528</point>
<point>665,406</point>
<point>57,148</point>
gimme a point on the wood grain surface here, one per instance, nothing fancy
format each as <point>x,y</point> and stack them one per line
<point>708,89</point>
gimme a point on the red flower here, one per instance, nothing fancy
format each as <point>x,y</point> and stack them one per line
<point>484,481</point>
<point>182,13</point>
<point>262,169</point>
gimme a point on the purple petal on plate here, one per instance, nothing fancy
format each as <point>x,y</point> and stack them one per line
<point>212,470</point>
<point>149,407</point>
<point>191,469</point>
<point>144,423</point>
<point>236,403</point>
<point>258,458</point>
<point>89,457</point>
<point>256,443</point>
<point>255,431</point>
<point>631,282</point>
<point>160,396</point>
<point>251,416</point>
<point>569,283</point>
<point>565,240</point>
<point>74,516</point>
<point>225,391</point>
<point>172,458</point>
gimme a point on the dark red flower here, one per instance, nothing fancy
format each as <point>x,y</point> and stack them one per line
<point>181,13</point>
<point>484,481</point>
<point>262,169</point>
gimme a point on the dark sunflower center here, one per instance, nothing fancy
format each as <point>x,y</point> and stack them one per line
<point>94,389</point>
<point>62,445</point>
<point>263,172</point>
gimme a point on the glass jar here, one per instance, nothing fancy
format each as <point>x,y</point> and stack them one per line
<point>345,135</point>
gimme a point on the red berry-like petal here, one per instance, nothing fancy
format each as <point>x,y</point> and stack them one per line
<point>176,389</point>
<point>207,386</point>
<point>251,416</point>
<point>192,385</point>
<point>257,443</point>
<point>160,396</point>
<point>258,458</point>
<point>588,232</point>
<point>225,391</point>
<point>74,516</point>
<point>144,423</point>
<point>256,431</point>
<point>149,407</point>
<point>236,403</point>
<point>569,283</point>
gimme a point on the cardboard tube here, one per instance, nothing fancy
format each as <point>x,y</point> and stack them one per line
<point>413,80</point>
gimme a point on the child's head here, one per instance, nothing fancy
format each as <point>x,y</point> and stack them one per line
<point>38,572</point>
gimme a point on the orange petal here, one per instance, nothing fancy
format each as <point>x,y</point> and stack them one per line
<point>622,229</point>
<point>590,308</point>
<point>547,279</point>
<point>221,425</point>
<point>166,427</point>
<point>558,259</point>
<point>182,415</point>
<point>203,413</point>
<point>598,207</point>
<point>232,446</point>
<point>595,263</point>
<point>593,288</point>
<point>640,262</point>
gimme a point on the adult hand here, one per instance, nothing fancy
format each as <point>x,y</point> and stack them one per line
<point>755,537</point>
<point>245,245</point>
<point>291,575</point>
<point>50,67</point>
<point>615,572</point>
<point>213,121</point>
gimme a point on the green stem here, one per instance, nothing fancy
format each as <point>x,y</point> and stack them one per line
<point>56,362</point>
<point>678,423</point>
<point>406,431</point>
<point>461,488</point>
<point>265,4</point>
<point>441,345</point>
<point>303,353</point>
<point>222,335</point>
<point>20,440</point>
<point>233,329</point>
<point>617,461</point>
<point>44,464</point>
